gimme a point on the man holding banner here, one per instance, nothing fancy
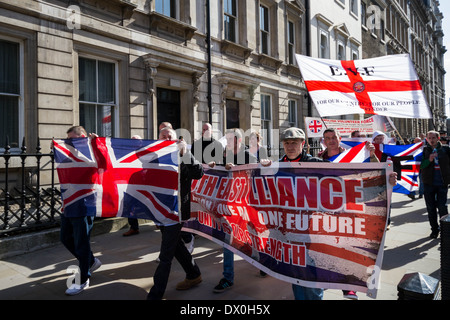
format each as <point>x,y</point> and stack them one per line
<point>171,243</point>
<point>293,141</point>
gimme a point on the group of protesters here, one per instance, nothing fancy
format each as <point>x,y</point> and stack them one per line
<point>75,232</point>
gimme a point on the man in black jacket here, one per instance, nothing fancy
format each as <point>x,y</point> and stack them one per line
<point>435,169</point>
<point>171,243</point>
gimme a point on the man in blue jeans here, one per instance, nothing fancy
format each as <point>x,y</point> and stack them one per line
<point>75,235</point>
<point>235,154</point>
<point>435,168</point>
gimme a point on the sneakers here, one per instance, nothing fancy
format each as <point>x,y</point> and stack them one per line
<point>131,232</point>
<point>188,283</point>
<point>223,285</point>
<point>350,295</point>
<point>77,288</point>
<point>97,264</point>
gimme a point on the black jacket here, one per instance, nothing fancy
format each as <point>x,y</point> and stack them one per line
<point>427,166</point>
<point>190,169</point>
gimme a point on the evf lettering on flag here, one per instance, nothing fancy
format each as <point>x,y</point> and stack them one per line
<point>107,177</point>
<point>386,85</point>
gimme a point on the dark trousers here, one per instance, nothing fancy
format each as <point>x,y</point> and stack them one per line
<point>435,200</point>
<point>171,246</point>
<point>75,234</point>
<point>134,224</point>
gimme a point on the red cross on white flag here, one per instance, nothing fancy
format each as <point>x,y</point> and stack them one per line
<point>386,85</point>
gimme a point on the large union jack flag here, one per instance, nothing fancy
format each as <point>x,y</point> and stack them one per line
<point>108,177</point>
<point>406,159</point>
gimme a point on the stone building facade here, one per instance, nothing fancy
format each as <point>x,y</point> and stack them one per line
<point>121,67</point>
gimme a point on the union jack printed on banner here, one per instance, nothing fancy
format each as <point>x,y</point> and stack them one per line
<point>406,158</point>
<point>107,177</point>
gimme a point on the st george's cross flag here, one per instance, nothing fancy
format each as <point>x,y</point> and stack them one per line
<point>387,86</point>
<point>108,177</point>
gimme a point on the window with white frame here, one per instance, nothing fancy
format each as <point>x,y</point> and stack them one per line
<point>363,14</point>
<point>166,7</point>
<point>291,42</point>
<point>230,20</point>
<point>98,96</point>
<point>324,49</point>
<point>292,113</point>
<point>266,118</point>
<point>340,51</point>
<point>264,29</point>
<point>354,7</point>
<point>11,93</point>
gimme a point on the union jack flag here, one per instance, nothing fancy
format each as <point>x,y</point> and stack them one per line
<point>358,153</point>
<point>406,159</point>
<point>108,177</point>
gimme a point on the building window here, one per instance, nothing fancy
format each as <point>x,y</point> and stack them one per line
<point>354,7</point>
<point>291,42</point>
<point>363,14</point>
<point>264,29</point>
<point>324,49</point>
<point>341,51</point>
<point>166,7</point>
<point>230,19</point>
<point>266,118</point>
<point>10,93</point>
<point>292,113</point>
<point>98,96</point>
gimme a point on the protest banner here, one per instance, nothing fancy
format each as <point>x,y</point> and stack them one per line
<point>313,224</point>
<point>386,85</point>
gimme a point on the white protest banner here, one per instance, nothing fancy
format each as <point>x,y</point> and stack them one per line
<point>386,85</point>
<point>315,126</point>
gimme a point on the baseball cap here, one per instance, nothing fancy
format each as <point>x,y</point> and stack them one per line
<point>293,133</point>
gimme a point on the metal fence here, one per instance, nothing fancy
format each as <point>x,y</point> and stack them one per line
<point>26,203</point>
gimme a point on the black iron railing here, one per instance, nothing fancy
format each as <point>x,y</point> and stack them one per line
<point>26,202</point>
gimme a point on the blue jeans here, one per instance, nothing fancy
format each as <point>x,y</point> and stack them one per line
<point>75,235</point>
<point>305,293</point>
<point>435,200</point>
<point>228,265</point>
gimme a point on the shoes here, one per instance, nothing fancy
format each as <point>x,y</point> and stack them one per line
<point>412,196</point>
<point>350,295</point>
<point>77,288</point>
<point>97,264</point>
<point>223,285</point>
<point>434,234</point>
<point>131,232</point>
<point>188,283</point>
<point>262,274</point>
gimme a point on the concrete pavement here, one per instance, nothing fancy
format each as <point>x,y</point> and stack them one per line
<point>129,264</point>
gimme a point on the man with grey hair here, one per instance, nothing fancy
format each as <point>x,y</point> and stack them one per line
<point>172,244</point>
<point>207,149</point>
